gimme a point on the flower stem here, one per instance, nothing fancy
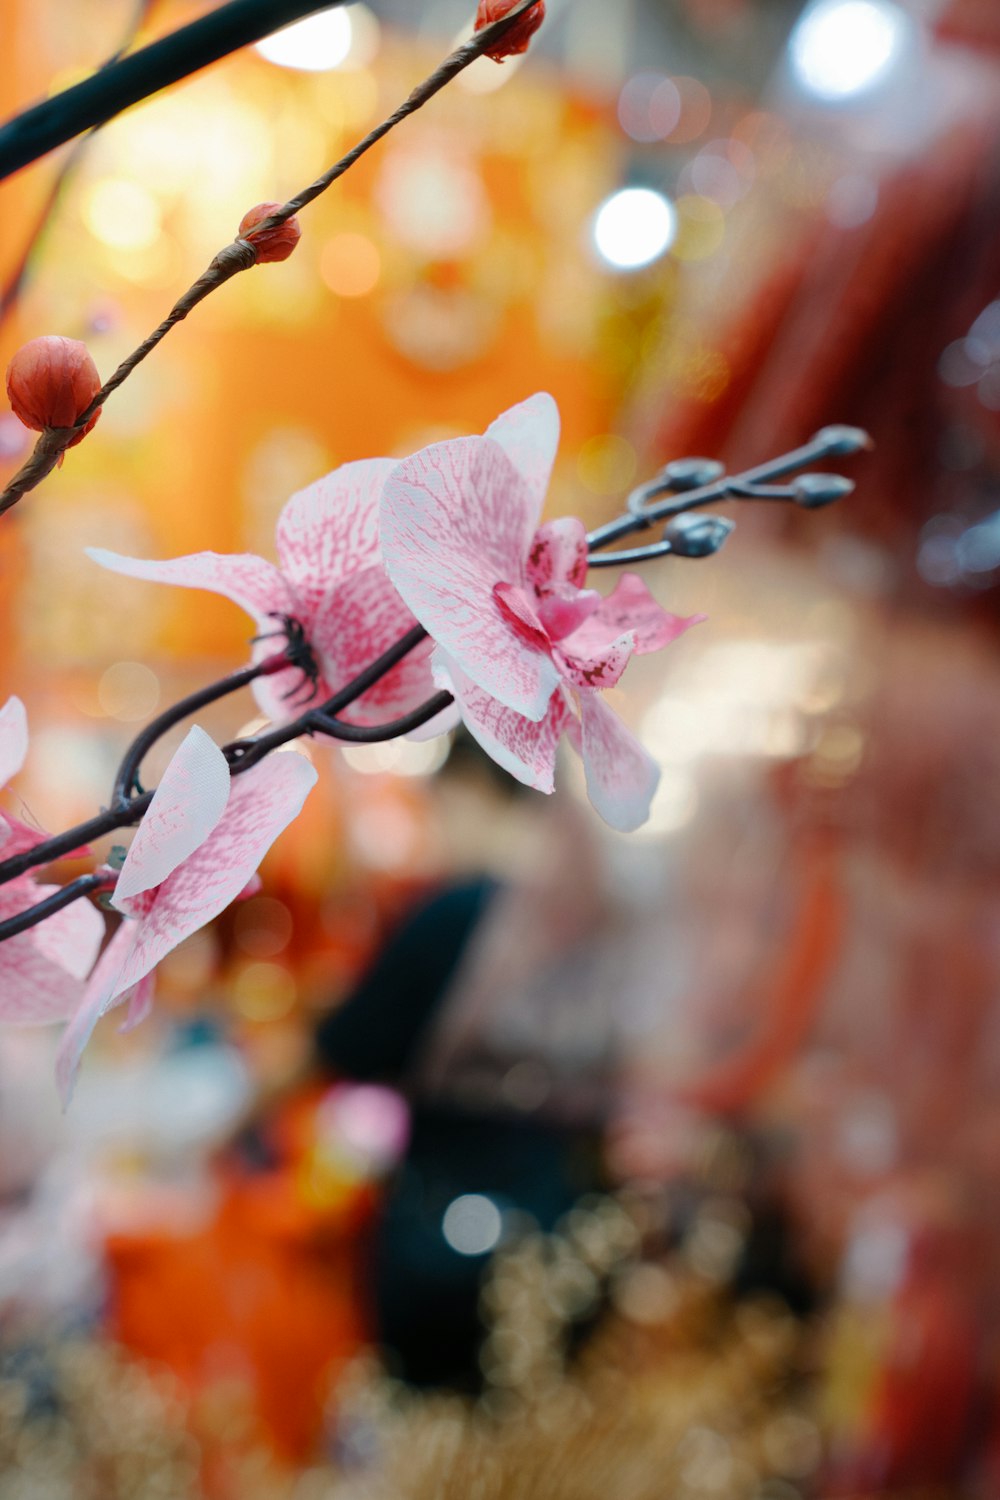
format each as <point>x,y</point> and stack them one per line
<point>86,885</point>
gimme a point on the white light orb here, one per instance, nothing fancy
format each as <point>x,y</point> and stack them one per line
<point>840,48</point>
<point>634,227</point>
<point>313,45</point>
<point>472,1224</point>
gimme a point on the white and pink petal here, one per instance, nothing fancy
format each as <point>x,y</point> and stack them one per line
<point>188,803</point>
<point>621,775</point>
<point>329,530</point>
<point>456,520</point>
<point>249,581</point>
<point>529,435</point>
<point>13,739</point>
<point>526,748</point>
<point>592,664</point>
<point>631,607</point>
<point>558,554</point>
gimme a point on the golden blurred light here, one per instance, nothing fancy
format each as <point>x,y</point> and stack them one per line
<point>350,264</point>
<point>313,45</point>
<point>649,107</point>
<point>434,201</point>
<point>121,214</point>
<point>606,464</point>
<point>701,227</point>
<point>837,755</point>
<point>129,691</point>
<point>264,992</point>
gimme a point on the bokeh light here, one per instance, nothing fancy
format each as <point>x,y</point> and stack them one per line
<point>472,1224</point>
<point>634,227</point>
<point>319,42</point>
<point>840,48</point>
<point>350,264</point>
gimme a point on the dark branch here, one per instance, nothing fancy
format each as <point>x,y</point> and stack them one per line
<point>98,99</point>
<point>32,915</point>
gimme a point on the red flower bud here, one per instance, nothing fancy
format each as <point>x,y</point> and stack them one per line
<point>50,381</point>
<point>519,36</point>
<point>271,244</point>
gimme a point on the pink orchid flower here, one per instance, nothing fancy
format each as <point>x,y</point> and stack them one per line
<point>194,853</point>
<point>41,970</point>
<point>524,646</point>
<point>330,583</point>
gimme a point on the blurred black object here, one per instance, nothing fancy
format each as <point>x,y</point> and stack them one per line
<point>426,1292</point>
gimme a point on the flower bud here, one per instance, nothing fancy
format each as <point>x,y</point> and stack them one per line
<point>519,36</point>
<point>271,244</point>
<point>50,381</point>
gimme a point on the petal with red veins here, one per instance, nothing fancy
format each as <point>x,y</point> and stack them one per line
<point>329,530</point>
<point>632,607</point>
<point>456,519</point>
<point>262,802</point>
<point>249,581</point>
<point>558,554</point>
<point>518,608</point>
<point>363,617</point>
<point>566,608</point>
<point>592,666</point>
<point>529,435</point>
<point>621,776</point>
<point>524,747</point>
<point>186,806</point>
<point>13,739</point>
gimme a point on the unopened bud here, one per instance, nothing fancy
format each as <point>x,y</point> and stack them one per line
<point>276,243</point>
<point>50,381</point>
<point>518,37</point>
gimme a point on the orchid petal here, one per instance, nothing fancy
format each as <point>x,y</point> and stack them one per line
<point>13,739</point>
<point>518,608</point>
<point>255,585</point>
<point>524,747</point>
<point>566,608</point>
<point>632,607</point>
<point>456,519</point>
<point>72,937</point>
<point>365,617</point>
<point>140,1003</point>
<point>34,991</point>
<point>329,530</point>
<point>592,666</point>
<point>529,435</point>
<point>186,806</point>
<point>17,837</point>
<point>96,999</point>
<point>621,776</point>
<point>558,554</point>
<point>262,802</point>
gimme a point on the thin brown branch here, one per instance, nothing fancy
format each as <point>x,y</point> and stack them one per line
<point>240,255</point>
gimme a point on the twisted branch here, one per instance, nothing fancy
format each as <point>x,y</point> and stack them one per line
<point>240,255</point>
